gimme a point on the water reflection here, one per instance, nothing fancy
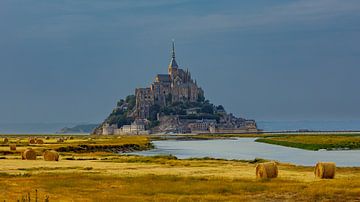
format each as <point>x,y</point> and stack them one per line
<point>248,149</point>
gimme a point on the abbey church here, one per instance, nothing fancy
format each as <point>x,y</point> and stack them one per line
<point>176,86</point>
<point>173,103</point>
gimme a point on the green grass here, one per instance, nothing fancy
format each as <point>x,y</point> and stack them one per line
<point>315,142</point>
<point>314,147</point>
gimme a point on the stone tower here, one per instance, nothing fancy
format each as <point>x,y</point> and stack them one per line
<point>173,66</point>
<point>176,86</point>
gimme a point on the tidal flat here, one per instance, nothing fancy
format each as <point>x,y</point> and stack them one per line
<point>99,174</point>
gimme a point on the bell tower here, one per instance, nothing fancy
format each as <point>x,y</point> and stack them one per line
<point>173,66</point>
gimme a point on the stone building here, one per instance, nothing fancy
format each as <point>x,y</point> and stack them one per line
<point>165,92</point>
<point>108,129</point>
<point>176,86</point>
<point>138,127</point>
<point>201,126</point>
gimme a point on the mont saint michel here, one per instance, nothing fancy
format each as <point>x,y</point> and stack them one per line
<point>256,101</point>
<point>173,103</point>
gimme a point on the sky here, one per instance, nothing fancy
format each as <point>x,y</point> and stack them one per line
<point>70,61</point>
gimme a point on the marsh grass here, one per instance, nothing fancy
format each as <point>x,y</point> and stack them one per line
<point>99,146</point>
<point>2,174</point>
<point>173,188</point>
<point>104,176</point>
<point>315,142</point>
<point>49,168</point>
<point>171,160</point>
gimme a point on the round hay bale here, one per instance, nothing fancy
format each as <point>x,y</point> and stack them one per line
<point>5,140</point>
<point>51,155</point>
<point>47,138</point>
<point>12,147</point>
<point>267,170</point>
<point>71,138</point>
<point>28,154</point>
<point>32,141</point>
<point>325,170</point>
<point>59,140</point>
<point>39,141</point>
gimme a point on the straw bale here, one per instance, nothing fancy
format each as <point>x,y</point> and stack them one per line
<point>51,155</point>
<point>13,147</point>
<point>29,154</point>
<point>325,170</point>
<point>267,170</point>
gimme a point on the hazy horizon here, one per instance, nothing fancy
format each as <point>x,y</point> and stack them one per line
<point>70,61</point>
<point>49,128</point>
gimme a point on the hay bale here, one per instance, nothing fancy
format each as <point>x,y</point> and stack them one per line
<point>267,170</point>
<point>39,141</point>
<point>28,154</point>
<point>71,138</point>
<point>32,141</point>
<point>59,140</point>
<point>47,138</point>
<point>12,147</point>
<point>5,140</point>
<point>51,155</point>
<point>325,170</point>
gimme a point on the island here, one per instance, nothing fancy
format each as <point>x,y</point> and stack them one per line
<point>173,103</point>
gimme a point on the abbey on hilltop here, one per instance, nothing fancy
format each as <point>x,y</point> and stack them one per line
<point>173,103</point>
<point>176,86</point>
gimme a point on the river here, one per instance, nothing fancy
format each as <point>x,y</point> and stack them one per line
<point>248,149</point>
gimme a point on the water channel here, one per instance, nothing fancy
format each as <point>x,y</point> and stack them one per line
<point>248,149</point>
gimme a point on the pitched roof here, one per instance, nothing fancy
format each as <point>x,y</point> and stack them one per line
<point>173,63</point>
<point>163,78</point>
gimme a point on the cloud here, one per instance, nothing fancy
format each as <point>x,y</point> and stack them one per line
<point>304,12</point>
<point>160,18</point>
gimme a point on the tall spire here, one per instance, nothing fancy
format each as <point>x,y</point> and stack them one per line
<point>173,63</point>
<point>173,48</point>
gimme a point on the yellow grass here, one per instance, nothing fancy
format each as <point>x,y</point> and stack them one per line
<point>166,179</point>
<point>78,140</point>
<point>110,177</point>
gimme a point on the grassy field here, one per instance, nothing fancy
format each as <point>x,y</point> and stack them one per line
<point>105,176</point>
<point>120,178</point>
<point>315,142</point>
<point>76,146</point>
